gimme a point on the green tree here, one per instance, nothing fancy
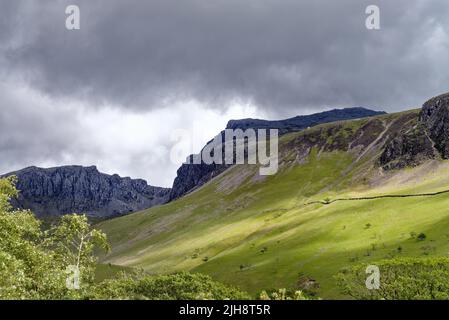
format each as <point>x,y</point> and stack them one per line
<point>33,263</point>
<point>73,242</point>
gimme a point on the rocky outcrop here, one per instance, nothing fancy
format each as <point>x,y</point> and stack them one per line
<point>191,176</point>
<point>76,189</point>
<point>408,149</point>
<point>426,139</point>
<point>435,117</point>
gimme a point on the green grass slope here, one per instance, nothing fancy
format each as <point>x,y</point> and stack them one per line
<point>257,233</point>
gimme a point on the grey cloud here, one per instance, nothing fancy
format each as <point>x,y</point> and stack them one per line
<point>36,130</point>
<point>31,132</point>
<point>149,54</point>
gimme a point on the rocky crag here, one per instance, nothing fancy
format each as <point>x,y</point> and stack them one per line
<point>76,189</point>
<point>425,138</point>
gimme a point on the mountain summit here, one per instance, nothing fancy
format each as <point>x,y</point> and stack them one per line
<point>192,176</point>
<point>301,122</point>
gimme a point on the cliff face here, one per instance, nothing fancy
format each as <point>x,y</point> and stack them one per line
<point>192,176</point>
<point>76,189</point>
<point>435,117</point>
<point>427,138</point>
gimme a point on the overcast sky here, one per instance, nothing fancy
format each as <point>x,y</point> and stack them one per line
<point>115,92</point>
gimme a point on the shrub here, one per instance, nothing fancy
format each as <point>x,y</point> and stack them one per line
<point>307,285</point>
<point>179,286</point>
<point>400,279</point>
<point>421,236</point>
<point>283,294</point>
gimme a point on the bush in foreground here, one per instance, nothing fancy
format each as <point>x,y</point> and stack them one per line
<point>400,279</point>
<point>179,286</point>
<point>283,294</point>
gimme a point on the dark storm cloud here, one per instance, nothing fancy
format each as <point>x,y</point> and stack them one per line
<point>283,55</point>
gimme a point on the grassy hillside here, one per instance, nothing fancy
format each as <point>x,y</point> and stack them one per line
<point>257,233</point>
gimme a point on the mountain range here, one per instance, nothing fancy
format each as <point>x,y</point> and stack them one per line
<point>346,192</point>
<point>350,191</point>
<point>77,189</point>
<point>192,176</point>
